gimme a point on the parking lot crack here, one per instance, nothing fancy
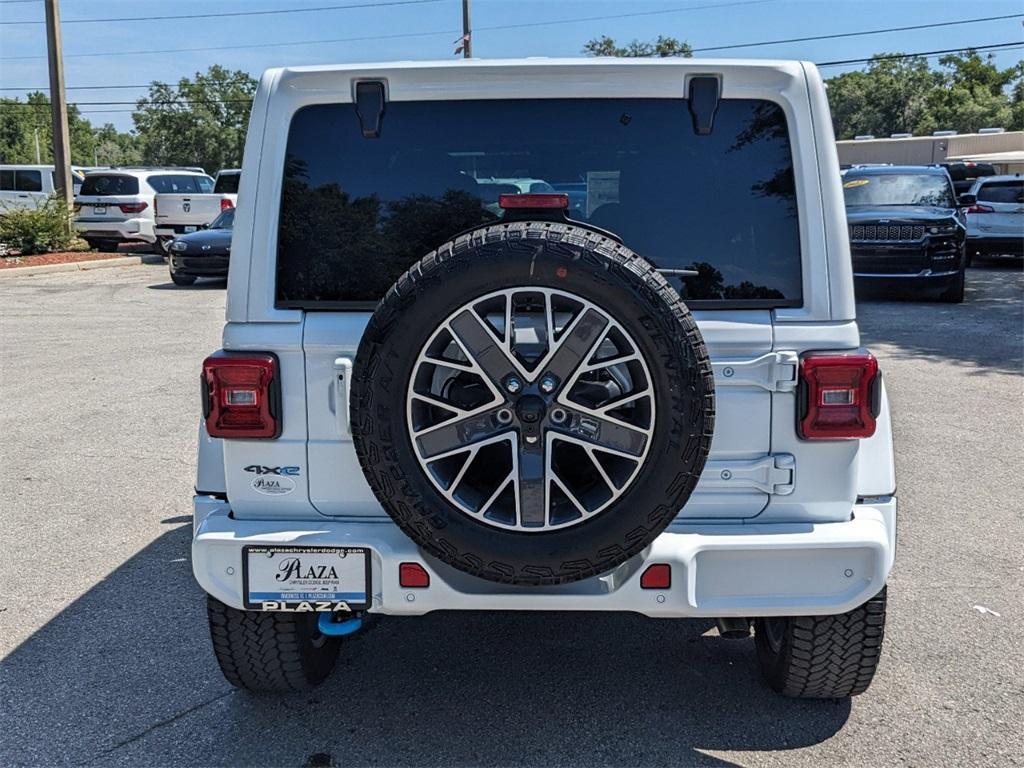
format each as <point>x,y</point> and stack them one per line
<point>160,724</point>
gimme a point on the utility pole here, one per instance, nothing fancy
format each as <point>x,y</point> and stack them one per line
<point>467,32</point>
<point>58,104</point>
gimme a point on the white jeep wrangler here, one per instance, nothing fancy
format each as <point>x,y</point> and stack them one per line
<point>440,392</point>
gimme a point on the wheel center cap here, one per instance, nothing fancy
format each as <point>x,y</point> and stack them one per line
<point>531,409</point>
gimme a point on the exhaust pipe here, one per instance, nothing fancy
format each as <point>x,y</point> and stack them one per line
<point>733,629</point>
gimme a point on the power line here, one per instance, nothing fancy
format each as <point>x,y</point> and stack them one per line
<point>886,57</point>
<point>858,34</point>
<point>379,4</point>
<point>403,35</point>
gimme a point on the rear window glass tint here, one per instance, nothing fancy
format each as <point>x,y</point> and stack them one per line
<point>173,184</point>
<point>103,185</point>
<point>356,213</point>
<point>227,184</point>
<point>7,180</point>
<point>28,181</point>
<point>1002,192</point>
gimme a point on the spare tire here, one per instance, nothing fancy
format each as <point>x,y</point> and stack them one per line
<point>532,403</point>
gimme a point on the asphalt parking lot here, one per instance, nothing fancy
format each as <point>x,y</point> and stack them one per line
<point>103,638</point>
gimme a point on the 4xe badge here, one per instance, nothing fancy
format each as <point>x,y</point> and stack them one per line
<point>272,481</point>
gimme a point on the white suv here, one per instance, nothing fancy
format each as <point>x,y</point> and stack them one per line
<point>117,205</point>
<point>423,404</point>
<point>995,220</point>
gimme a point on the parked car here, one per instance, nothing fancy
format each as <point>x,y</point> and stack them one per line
<point>204,253</point>
<point>226,183</point>
<point>995,223</point>
<point>965,174</point>
<point>423,406</point>
<point>907,229</point>
<point>181,210</point>
<point>28,186</point>
<point>119,205</point>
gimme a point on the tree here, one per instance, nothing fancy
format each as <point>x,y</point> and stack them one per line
<point>114,148</point>
<point>662,47</point>
<point>972,95</point>
<point>196,122</point>
<point>22,122</point>
<point>890,97</point>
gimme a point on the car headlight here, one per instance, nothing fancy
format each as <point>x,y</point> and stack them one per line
<point>177,245</point>
<point>943,229</point>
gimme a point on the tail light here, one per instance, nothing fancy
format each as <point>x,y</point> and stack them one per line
<point>241,396</point>
<point>546,200</point>
<point>840,395</point>
<point>225,204</point>
<point>132,207</point>
<point>978,208</point>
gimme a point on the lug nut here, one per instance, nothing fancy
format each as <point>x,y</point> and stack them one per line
<point>513,385</point>
<point>531,439</point>
<point>548,384</point>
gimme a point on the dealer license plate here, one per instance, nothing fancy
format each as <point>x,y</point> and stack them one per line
<point>306,578</point>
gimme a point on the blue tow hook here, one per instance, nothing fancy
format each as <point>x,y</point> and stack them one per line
<point>338,628</point>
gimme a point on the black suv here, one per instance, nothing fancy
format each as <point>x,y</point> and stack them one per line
<point>907,227</point>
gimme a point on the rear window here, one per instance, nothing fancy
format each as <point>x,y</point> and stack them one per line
<point>174,184</point>
<point>1002,192</point>
<point>227,184</point>
<point>109,184</point>
<point>356,213</point>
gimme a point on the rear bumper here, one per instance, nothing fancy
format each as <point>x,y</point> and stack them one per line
<point>129,229</point>
<point>779,569</point>
<point>996,245</point>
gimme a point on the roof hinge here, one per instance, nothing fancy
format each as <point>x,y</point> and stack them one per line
<point>370,98</point>
<point>775,372</point>
<point>774,474</point>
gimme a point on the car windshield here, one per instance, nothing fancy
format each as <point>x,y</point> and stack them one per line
<point>109,184</point>
<point>898,189</point>
<point>356,213</point>
<point>225,221</point>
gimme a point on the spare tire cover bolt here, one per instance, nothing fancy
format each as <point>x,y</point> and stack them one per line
<point>531,439</point>
<point>548,384</point>
<point>513,385</point>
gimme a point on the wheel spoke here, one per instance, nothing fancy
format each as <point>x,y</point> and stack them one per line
<point>576,344</point>
<point>612,435</point>
<point>531,494</point>
<point>449,436</point>
<point>481,347</point>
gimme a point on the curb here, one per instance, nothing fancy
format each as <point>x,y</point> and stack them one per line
<point>71,266</point>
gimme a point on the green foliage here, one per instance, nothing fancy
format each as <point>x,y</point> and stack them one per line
<point>662,47</point>
<point>22,121</point>
<point>197,122</point>
<point>41,229</point>
<point>966,93</point>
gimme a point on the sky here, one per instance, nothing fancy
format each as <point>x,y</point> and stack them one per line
<point>100,53</point>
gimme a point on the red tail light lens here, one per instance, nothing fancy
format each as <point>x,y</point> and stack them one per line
<point>133,207</point>
<point>978,208</point>
<point>241,396</point>
<point>413,576</point>
<point>657,576</point>
<point>840,395</point>
<point>546,200</point>
<point>225,204</point>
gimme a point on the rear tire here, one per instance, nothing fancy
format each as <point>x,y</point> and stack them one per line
<point>182,280</point>
<point>822,657</point>
<point>955,293</point>
<point>270,652</point>
<point>160,247</point>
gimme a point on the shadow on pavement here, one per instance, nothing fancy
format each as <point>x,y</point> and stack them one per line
<point>984,332</point>
<point>202,284</point>
<point>125,675</point>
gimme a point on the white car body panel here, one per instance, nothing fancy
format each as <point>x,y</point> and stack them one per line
<point>764,490</point>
